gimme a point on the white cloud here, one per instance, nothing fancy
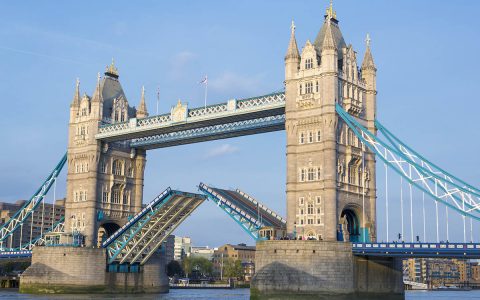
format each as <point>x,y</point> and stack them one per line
<point>220,151</point>
<point>230,81</point>
<point>180,61</point>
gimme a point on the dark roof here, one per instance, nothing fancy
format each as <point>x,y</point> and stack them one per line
<point>337,35</point>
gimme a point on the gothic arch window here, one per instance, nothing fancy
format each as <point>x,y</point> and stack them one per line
<point>311,174</point>
<point>117,167</point>
<point>302,138</point>
<point>308,88</point>
<point>310,137</point>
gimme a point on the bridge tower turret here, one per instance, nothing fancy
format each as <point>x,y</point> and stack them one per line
<point>330,183</point>
<point>104,180</point>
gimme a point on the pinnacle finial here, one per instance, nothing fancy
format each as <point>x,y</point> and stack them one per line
<point>368,40</point>
<point>98,78</point>
<point>292,27</point>
<point>112,70</point>
<point>331,14</point>
<point>143,91</point>
<point>77,84</point>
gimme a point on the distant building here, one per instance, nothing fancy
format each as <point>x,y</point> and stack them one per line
<point>438,272</point>
<point>177,247</point>
<point>31,229</point>
<point>169,245</point>
<point>242,252</point>
<point>202,251</point>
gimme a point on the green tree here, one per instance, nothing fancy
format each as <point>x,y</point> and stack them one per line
<point>174,269</point>
<point>233,269</point>
<point>187,266</point>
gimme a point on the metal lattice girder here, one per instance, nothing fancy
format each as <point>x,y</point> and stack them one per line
<point>228,112</point>
<point>440,185</point>
<point>144,234</point>
<point>249,222</point>
<point>20,216</point>
<point>214,132</point>
<point>272,217</point>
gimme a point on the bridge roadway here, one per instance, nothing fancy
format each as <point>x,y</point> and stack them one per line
<point>184,126</point>
<point>421,250</point>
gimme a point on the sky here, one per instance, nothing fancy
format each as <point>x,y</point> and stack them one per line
<point>425,52</point>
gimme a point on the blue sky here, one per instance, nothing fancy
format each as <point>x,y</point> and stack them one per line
<point>425,51</point>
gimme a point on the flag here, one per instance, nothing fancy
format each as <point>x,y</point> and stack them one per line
<point>204,80</point>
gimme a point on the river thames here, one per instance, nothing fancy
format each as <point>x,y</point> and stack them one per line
<point>235,294</point>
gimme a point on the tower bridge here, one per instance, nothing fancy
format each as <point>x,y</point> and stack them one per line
<point>328,241</point>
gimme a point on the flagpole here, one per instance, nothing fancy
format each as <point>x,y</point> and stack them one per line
<point>206,89</point>
<point>158,98</point>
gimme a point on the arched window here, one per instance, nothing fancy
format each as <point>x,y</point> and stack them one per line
<point>310,137</point>
<point>117,168</point>
<point>302,175</point>
<point>311,174</point>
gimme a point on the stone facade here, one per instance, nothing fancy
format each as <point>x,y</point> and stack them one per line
<point>105,180</point>
<point>330,175</point>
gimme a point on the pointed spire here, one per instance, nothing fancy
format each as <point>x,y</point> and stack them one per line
<point>368,58</point>
<point>111,70</point>
<point>292,51</point>
<point>331,14</point>
<point>142,108</point>
<point>97,95</point>
<point>329,40</point>
<point>76,96</point>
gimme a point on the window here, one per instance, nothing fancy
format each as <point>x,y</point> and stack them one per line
<point>310,209</point>
<point>103,167</point>
<point>319,136</point>
<point>308,88</point>
<point>300,89</point>
<point>310,137</point>
<point>301,222</point>
<point>318,221</point>
<point>308,63</point>
<point>125,197</point>
<point>319,173</point>
<point>316,87</point>
<point>117,168</point>
<point>130,172</point>
<point>318,211</point>
<point>105,197</point>
<point>311,174</point>
<point>302,138</point>
<point>318,200</point>
<point>302,175</point>
<point>116,196</point>
<point>310,221</point>
<point>301,200</point>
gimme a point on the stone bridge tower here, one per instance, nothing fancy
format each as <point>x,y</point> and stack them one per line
<point>104,181</point>
<point>331,191</point>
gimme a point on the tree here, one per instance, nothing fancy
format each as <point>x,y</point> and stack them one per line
<point>187,265</point>
<point>174,269</point>
<point>233,269</point>
<point>198,264</point>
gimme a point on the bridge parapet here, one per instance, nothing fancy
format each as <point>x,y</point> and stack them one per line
<point>444,250</point>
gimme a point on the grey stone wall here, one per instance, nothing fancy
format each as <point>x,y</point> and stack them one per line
<point>323,268</point>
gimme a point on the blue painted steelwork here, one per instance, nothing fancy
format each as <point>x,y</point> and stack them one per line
<point>214,132</point>
<point>20,216</point>
<point>140,237</point>
<point>244,210</point>
<point>425,250</point>
<point>425,176</point>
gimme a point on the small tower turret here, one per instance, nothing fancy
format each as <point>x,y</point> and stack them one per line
<point>292,58</point>
<point>369,74</point>
<point>142,108</point>
<point>75,105</point>
<point>329,56</point>
<point>97,100</point>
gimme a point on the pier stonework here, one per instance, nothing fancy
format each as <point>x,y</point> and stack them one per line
<point>83,270</point>
<point>331,189</point>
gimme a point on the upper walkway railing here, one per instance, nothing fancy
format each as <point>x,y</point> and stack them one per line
<point>440,250</point>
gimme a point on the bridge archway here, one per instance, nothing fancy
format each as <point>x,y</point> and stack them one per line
<point>350,225</point>
<point>105,230</point>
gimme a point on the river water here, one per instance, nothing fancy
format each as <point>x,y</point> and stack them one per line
<point>235,294</point>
